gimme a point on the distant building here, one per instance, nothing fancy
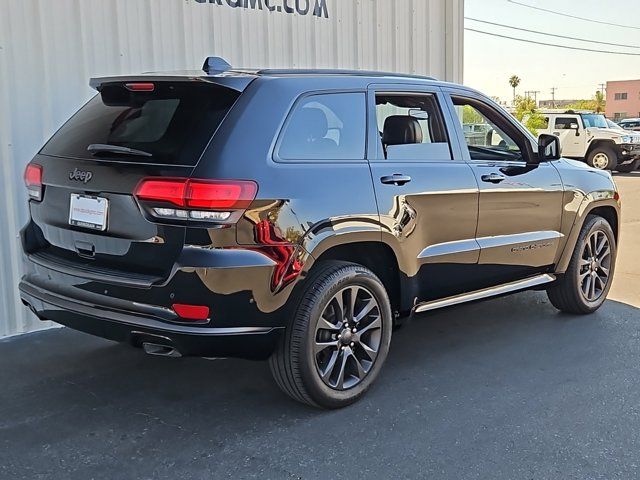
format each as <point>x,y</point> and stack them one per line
<point>555,103</point>
<point>623,99</point>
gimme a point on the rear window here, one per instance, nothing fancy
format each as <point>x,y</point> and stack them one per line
<point>171,125</point>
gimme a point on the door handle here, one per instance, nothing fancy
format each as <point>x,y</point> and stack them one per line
<point>492,178</point>
<point>396,179</point>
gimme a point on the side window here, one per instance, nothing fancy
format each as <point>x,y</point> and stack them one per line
<point>326,127</point>
<point>485,131</point>
<point>566,123</point>
<point>411,127</point>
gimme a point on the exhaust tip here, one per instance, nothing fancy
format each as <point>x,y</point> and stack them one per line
<point>160,350</point>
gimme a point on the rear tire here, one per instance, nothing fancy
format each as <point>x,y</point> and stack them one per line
<point>581,289</point>
<point>629,167</point>
<point>328,356</point>
<point>603,158</point>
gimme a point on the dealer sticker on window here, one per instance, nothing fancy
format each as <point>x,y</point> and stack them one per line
<point>88,212</point>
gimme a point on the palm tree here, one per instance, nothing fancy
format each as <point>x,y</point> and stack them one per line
<point>514,81</point>
<point>599,101</point>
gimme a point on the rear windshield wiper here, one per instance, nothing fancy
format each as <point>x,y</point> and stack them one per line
<point>103,148</point>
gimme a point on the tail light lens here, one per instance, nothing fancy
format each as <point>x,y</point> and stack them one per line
<point>200,200</point>
<point>33,181</point>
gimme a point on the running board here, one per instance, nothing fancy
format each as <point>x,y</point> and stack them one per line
<point>486,293</point>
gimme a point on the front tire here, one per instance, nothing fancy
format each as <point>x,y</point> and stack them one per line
<point>603,158</point>
<point>584,286</point>
<point>335,345</point>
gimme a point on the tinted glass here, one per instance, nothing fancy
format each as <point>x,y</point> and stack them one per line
<point>173,124</point>
<point>488,140</point>
<point>326,127</point>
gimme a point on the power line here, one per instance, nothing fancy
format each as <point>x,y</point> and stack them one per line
<point>573,16</point>
<point>551,34</point>
<point>551,44</point>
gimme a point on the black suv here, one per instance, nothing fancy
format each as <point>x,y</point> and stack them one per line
<point>297,215</point>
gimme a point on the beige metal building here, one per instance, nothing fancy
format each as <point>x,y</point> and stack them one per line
<point>49,50</point>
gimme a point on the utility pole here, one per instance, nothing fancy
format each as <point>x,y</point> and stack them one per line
<point>553,96</point>
<point>602,85</point>
<point>535,96</point>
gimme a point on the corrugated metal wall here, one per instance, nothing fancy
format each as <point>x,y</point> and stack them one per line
<point>49,50</point>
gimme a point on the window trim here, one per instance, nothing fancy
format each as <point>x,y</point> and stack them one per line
<point>275,156</point>
<point>409,90</point>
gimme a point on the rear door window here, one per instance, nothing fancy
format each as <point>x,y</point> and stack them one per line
<point>326,127</point>
<point>170,125</point>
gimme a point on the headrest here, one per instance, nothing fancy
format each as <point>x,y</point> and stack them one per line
<point>401,130</point>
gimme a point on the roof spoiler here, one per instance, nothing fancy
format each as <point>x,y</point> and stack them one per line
<point>235,82</point>
<point>215,69</point>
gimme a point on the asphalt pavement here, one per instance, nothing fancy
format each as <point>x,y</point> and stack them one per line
<point>504,389</point>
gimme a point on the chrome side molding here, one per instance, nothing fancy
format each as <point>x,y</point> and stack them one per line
<point>486,293</point>
<point>444,251</point>
<point>518,238</point>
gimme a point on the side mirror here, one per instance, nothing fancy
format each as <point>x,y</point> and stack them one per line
<point>548,148</point>
<point>574,126</point>
<point>419,114</point>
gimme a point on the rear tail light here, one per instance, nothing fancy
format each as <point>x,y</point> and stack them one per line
<point>33,181</point>
<point>200,200</point>
<point>191,312</point>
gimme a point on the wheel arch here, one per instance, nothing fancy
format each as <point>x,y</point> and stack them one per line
<point>377,256</point>
<point>600,143</point>
<point>608,208</point>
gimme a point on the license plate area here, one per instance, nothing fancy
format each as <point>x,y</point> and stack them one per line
<point>87,211</point>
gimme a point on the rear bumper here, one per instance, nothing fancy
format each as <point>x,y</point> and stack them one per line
<point>141,324</point>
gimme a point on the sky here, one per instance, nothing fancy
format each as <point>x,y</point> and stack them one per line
<point>490,61</point>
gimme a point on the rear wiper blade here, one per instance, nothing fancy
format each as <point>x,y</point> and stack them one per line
<point>103,148</point>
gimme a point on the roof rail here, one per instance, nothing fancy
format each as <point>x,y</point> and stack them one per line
<point>216,64</point>
<point>321,71</point>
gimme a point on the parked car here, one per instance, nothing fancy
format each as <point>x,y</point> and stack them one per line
<point>476,133</point>
<point>588,137</point>
<point>298,215</point>
<point>630,124</point>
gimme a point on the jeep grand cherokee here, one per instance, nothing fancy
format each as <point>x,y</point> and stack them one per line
<point>297,215</point>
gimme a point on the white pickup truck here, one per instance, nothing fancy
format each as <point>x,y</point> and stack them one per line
<point>588,137</point>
